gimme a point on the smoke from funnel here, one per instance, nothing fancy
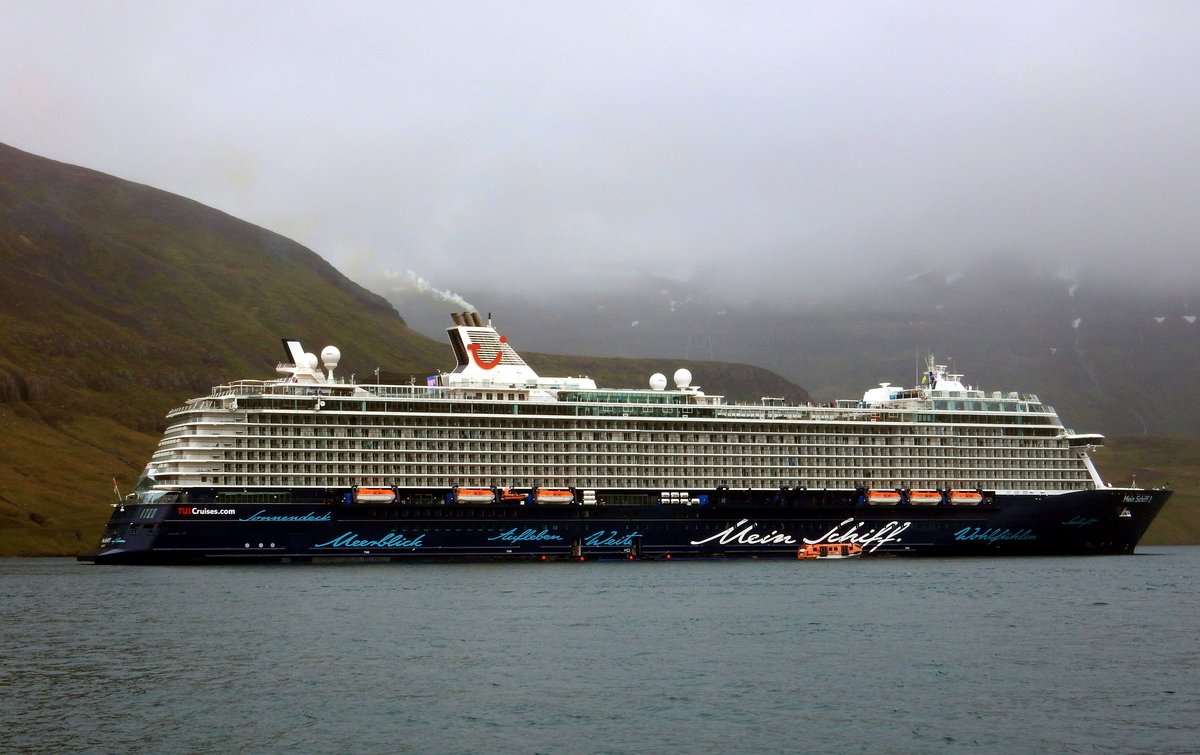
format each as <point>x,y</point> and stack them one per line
<point>410,281</point>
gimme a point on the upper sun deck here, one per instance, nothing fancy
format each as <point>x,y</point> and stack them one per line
<point>939,389</point>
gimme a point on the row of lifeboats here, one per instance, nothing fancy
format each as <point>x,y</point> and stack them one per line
<point>924,497</point>
<point>511,495</point>
<point>874,497</point>
<point>478,495</point>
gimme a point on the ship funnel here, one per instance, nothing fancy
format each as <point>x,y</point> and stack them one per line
<point>476,319</point>
<point>458,320</point>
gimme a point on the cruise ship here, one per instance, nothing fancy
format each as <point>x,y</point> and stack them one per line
<point>494,461</point>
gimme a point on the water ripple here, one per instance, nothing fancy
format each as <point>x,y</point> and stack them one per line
<point>1064,654</point>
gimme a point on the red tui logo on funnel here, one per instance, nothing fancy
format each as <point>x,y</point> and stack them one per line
<point>474,349</point>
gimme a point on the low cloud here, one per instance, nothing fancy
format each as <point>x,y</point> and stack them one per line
<point>777,150</point>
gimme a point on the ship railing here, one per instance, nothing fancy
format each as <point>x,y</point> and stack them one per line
<point>750,411</point>
<point>240,388</point>
<point>404,391</point>
<point>252,388</point>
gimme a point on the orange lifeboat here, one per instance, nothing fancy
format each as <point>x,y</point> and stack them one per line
<point>374,495</point>
<point>554,495</point>
<point>966,497</point>
<point>883,497</point>
<point>829,550</point>
<point>924,497</point>
<point>474,495</point>
<point>511,495</point>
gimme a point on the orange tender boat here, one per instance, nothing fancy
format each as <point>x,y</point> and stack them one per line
<point>829,550</point>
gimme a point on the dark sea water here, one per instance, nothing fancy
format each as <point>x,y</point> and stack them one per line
<point>869,655</point>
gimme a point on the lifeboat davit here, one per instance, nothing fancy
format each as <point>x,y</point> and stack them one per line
<point>554,495</point>
<point>883,497</point>
<point>374,495</point>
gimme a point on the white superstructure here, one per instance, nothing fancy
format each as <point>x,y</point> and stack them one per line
<point>494,422</point>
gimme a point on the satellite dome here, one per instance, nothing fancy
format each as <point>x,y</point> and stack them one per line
<point>683,378</point>
<point>310,360</point>
<point>330,355</point>
<point>658,381</point>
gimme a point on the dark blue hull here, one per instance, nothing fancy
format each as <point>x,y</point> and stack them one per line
<point>728,524</point>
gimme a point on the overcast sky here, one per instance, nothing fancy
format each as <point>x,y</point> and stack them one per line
<point>774,144</point>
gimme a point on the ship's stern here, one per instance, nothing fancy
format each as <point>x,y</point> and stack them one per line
<point>129,535</point>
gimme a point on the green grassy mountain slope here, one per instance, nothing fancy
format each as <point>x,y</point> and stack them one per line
<point>119,301</point>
